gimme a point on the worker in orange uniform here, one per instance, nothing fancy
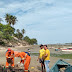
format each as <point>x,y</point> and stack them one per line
<point>9,58</point>
<point>25,59</point>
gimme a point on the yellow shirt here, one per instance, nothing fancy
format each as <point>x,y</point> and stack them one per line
<point>42,52</point>
<point>48,56</point>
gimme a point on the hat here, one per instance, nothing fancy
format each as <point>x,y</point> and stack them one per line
<point>9,50</point>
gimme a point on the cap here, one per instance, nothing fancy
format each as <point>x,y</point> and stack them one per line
<point>9,50</point>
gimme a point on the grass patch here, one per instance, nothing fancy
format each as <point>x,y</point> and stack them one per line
<point>65,56</point>
<point>34,54</point>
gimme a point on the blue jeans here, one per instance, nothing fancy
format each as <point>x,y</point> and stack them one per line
<point>46,62</point>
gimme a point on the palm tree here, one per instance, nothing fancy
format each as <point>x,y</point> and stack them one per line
<point>1,20</point>
<point>23,31</point>
<point>18,30</point>
<point>7,17</point>
<point>14,19</point>
<point>10,19</point>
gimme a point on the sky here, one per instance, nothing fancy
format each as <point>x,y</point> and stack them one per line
<point>49,21</point>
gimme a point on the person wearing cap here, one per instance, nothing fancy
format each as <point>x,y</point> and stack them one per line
<point>9,58</point>
<point>40,57</point>
<point>25,59</point>
<point>46,58</point>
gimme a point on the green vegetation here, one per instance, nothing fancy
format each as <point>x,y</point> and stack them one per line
<point>7,31</point>
<point>10,19</point>
<point>30,41</point>
<point>65,56</point>
<point>18,34</point>
<point>34,54</point>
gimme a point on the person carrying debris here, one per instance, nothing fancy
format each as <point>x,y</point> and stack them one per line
<point>46,58</point>
<point>9,58</point>
<point>25,59</point>
<point>40,57</point>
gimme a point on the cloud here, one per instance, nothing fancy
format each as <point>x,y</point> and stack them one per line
<point>46,20</point>
<point>22,6</point>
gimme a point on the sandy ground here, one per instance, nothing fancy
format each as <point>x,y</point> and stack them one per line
<point>34,65</point>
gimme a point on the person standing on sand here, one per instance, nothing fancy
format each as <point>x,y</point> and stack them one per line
<point>46,58</point>
<point>9,58</point>
<point>40,57</point>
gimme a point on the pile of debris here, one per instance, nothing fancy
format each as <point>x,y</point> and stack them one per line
<point>10,69</point>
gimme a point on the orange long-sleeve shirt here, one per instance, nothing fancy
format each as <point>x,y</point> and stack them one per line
<point>23,55</point>
<point>10,55</point>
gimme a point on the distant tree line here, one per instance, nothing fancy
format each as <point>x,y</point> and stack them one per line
<point>7,31</point>
<point>30,41</point>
